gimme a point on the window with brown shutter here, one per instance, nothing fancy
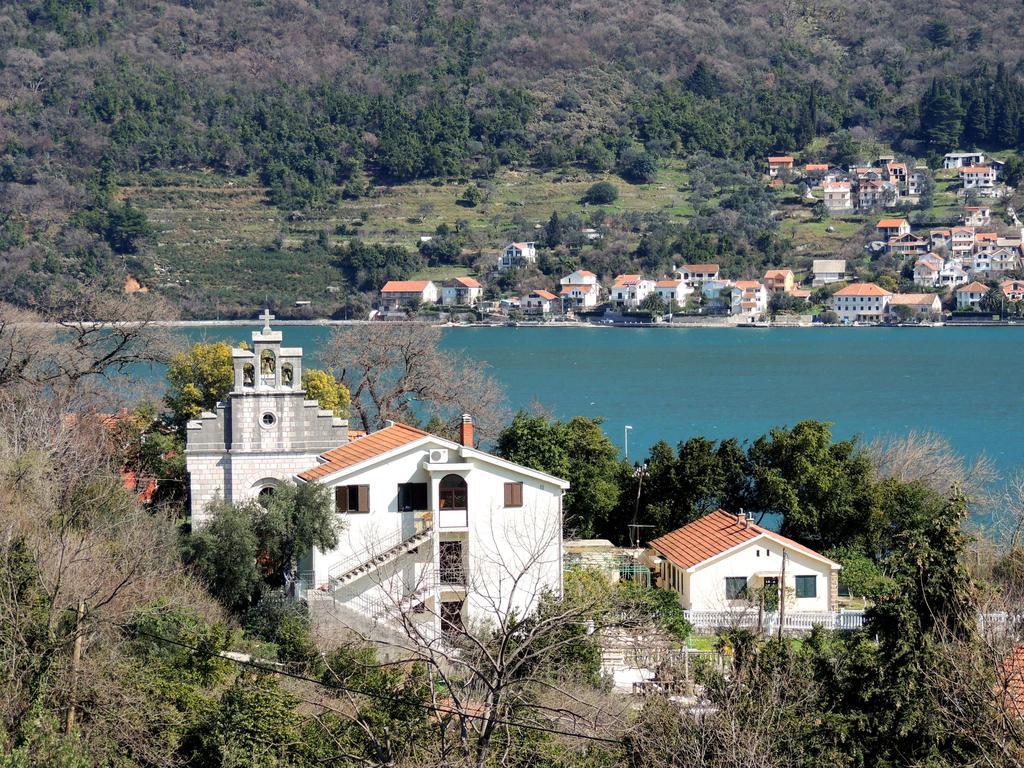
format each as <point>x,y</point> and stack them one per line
<point>513,494</point>
<point>349,499</point>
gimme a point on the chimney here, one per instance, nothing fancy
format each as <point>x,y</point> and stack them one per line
<point>466,431</point>
<point>741,518</point>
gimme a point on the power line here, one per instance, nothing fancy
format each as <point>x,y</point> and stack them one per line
<point>369,694</point>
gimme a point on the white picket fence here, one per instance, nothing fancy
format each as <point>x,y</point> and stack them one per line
<point>796,622</point>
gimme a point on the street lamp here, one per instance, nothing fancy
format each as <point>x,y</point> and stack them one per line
<point>625,434</point>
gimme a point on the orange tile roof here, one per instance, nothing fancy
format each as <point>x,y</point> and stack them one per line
<point>404,286</point>
<point>862,289</point>
<point>800,293</point>
<point>976,169</point>
<point>468,282</point>
<point>889,223</point>
<point>816,167</point>
<point>987,236</point>
<point>357,451</point>
<point>700,267</point>
<point>748,284</point>
<point>1012,682</point>
<point>914,299</point>
<point>780,159</point>
<point>974,287</point>
<point>668,283</point>
<point>542,294</point>
<point>777,274</point>
<point>712,535</point>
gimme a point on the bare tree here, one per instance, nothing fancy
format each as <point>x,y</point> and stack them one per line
<point>76,339</point>
<point>398,372</point>
<point>929,457</point>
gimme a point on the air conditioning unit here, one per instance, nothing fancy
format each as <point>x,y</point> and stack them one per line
<point>438,455</point>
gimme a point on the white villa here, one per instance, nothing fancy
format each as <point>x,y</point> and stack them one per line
<point>517,255</point>
<point>629,291</point>
<point>538,302</point>
<point>837,196</point>
<point>861,302</point>
<point>461,292</point>
<point>961,159</point>
<point>580,289</point>
<point>436,534</point>
<point>697,274</point>
<point>749,297</point>
<point>969,296</point>
<point>726,563</point>
<point>673,291</point>
<point>978,177</point>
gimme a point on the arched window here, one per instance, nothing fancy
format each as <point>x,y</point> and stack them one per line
<point>265,493</point>
<point>287,375</point>
<point>268,367</point>
<point>453,492</point>
<point>248,375</point>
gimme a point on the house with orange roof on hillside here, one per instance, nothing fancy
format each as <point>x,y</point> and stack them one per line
<point>726,563</point>
<point>888,228</point>
<point>779,280</point>
<point>435,534</point>
<point>861,303</point>
<point>400,294</point>
<point>461,292</point>
<point>779,164</point>
<point>978,177</point>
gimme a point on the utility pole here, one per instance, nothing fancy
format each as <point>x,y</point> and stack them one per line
<point>76,659</point>
<point>782,593</point>
<point>625,435</point>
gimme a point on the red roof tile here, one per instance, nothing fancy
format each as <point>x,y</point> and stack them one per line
<point>357,451</point>
<point>404,286</point>
<point>862,289</point>
<point>712,535</point>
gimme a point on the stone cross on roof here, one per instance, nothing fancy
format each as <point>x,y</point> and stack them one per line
<point>266,317</point>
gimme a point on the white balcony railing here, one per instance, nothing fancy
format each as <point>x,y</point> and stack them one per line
<point>705,622</point>
<point>452,518</point>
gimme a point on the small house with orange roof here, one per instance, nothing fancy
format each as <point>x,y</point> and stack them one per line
<point>1013,290</point>
<point>779,164</point>
<point>888,228</point>
<point>539,302</point>
<point>461,292</point>
<point>399,294</point>
<point>969,297</point>
<point>779,280</point>
<point>861,303</point>
<point>725,562</point>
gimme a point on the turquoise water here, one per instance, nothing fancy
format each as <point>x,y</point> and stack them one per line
<point>671,384</point>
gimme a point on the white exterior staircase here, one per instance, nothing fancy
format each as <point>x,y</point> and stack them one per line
<point>361,563</point>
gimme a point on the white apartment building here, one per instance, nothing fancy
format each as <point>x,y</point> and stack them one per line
<point>861,303</point>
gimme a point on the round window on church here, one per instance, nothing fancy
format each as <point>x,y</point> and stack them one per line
<point>268,419</point>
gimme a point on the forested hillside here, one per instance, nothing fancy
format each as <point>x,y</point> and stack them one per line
<point>319,103</point>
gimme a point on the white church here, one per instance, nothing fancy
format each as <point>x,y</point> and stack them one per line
<point>436,535</point>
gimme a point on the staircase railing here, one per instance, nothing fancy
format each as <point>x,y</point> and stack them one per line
<point>422,524</point>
